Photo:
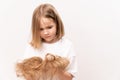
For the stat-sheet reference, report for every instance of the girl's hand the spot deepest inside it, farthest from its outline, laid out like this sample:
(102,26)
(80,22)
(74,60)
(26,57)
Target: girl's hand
(65,76)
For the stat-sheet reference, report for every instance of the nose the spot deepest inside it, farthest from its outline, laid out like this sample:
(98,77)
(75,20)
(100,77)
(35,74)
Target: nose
(46,32)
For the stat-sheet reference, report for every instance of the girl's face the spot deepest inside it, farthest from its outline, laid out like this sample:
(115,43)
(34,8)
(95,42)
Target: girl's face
(48,30)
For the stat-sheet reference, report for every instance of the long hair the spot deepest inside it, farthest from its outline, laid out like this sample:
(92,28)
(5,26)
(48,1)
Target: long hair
(47,11)
(53,66)
(29,68)
(35,68)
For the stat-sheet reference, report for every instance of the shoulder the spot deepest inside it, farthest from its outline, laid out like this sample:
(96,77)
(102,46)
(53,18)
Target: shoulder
(66,44)
(29,46)
(66,41)
(68,47)
(29,51)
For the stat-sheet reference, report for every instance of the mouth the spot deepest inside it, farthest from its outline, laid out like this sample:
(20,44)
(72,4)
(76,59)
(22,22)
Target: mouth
(47,37)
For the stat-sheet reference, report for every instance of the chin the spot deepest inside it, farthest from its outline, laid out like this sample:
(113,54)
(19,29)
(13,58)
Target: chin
(49,40)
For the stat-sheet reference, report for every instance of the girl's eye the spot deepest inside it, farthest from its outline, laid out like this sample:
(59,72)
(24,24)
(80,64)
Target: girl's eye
(49,27)
(41,29)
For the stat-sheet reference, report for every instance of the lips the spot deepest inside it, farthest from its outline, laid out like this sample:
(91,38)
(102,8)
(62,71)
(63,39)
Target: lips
(47,36)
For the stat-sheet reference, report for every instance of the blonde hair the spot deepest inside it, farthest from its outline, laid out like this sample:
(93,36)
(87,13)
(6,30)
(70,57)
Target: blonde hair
(47,11)
(53,66)
(29,68)
(37,69)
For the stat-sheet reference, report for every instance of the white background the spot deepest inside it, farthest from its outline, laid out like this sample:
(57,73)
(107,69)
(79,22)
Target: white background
(92,25)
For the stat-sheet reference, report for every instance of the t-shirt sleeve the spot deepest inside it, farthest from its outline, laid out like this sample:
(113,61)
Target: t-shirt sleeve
(72,67)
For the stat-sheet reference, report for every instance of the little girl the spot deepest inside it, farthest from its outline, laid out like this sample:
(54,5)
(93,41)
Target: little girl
(48,37)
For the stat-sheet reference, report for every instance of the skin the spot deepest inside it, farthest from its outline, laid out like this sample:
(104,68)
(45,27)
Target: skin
(63,75)
(48,30)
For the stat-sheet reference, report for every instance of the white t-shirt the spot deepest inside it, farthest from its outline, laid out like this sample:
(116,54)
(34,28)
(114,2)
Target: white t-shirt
(63,48)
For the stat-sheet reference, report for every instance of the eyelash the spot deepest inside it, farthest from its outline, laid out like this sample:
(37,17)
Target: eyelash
(50,27)
(47,28)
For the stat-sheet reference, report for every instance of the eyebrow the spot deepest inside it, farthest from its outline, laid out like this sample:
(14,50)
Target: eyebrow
(47,26)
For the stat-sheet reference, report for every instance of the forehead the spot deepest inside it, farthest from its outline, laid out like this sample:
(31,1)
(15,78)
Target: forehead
(44,22)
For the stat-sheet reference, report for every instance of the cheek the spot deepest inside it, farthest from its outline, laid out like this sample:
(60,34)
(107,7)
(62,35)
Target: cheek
(54,31)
